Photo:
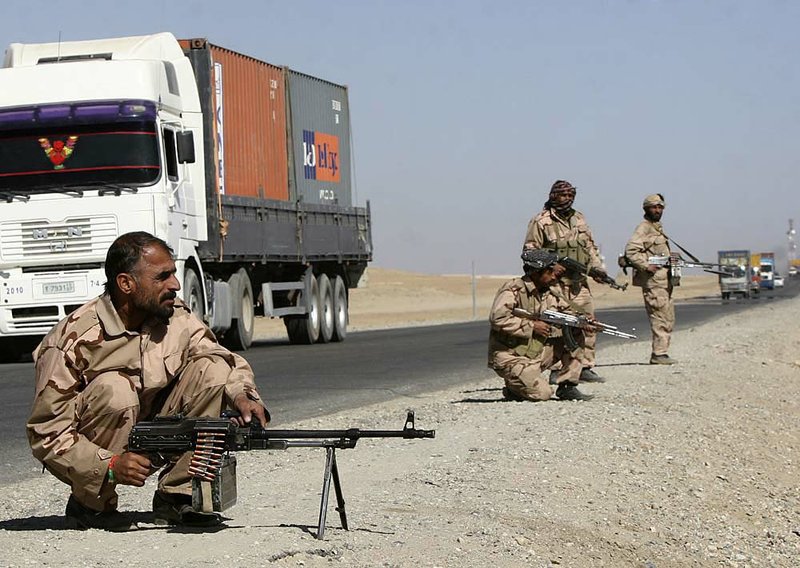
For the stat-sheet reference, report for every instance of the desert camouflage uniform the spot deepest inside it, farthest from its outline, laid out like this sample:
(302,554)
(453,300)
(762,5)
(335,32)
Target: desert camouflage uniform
(570,237)
(517,355)
(95,380)
(649,240)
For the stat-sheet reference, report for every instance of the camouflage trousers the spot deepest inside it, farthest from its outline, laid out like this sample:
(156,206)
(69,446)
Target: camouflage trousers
(661,311)
(523,375)
(108,408)
(580,296)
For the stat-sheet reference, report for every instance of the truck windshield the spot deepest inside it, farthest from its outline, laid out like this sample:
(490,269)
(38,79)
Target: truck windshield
(51,147)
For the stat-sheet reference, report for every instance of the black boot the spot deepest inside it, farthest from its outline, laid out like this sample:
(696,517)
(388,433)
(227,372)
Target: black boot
(82,517)
(176,509)
(589,376)
(569,391)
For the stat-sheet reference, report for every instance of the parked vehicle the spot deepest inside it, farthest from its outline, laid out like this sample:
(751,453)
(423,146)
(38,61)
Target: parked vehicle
(792,270)
(738,282)
(242,167)
(767,270)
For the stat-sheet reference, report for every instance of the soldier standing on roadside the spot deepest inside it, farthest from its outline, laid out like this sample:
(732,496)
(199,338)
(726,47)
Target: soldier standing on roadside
(649,240)
(560,228)
(520,348)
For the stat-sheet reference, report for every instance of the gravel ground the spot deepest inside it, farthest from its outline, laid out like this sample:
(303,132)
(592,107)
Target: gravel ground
(691,465)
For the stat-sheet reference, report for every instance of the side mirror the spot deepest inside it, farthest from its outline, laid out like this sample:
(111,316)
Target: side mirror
(185,147)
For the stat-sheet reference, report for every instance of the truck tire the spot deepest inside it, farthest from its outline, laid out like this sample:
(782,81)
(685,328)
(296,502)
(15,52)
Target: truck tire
(339,309)
(726,295)
(326,313)
(193,293)
(240,336)
(305,329)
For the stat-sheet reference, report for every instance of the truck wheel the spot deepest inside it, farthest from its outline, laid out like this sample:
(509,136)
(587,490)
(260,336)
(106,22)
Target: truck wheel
(326,323)
(240,336)
(726,295)
(305,329)
(339,309)
(193,293)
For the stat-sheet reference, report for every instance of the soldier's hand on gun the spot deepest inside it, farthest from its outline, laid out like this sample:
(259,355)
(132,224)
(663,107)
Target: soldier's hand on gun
(131,468)
(541,328)
(250,408)
(653,268)
(590,324)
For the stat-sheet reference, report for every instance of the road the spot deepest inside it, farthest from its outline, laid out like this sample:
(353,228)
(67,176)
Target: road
(307,381)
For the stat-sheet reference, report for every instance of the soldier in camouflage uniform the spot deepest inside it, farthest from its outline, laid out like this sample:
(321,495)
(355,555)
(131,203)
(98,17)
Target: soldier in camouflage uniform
(649,240)
(559,227)
(133,353)
(521,348)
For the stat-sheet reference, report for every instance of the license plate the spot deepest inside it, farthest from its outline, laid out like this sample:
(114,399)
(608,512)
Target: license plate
(51,288)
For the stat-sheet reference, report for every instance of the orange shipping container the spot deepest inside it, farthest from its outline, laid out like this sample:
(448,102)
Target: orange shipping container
(244,106)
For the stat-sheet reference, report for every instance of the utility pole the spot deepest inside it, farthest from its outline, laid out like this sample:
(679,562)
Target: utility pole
(792,247)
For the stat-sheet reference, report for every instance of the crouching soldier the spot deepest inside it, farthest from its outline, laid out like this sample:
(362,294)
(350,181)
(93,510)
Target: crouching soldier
(522,347)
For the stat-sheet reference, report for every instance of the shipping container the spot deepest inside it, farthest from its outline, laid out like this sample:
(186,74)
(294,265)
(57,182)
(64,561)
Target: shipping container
(247,100)
(319,115)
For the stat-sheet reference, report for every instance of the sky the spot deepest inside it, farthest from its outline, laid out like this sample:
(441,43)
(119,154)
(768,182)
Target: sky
(465,112)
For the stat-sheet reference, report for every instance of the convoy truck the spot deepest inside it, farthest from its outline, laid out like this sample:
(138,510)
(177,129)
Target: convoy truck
(242,167)
(738,282)
(767,270)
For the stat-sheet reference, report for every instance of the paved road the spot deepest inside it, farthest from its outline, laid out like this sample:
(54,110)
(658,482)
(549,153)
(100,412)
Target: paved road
(307,381)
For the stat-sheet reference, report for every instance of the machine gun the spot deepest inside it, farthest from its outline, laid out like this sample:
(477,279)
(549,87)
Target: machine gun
(213,466)
(675,262)
(567,321)
(574,266)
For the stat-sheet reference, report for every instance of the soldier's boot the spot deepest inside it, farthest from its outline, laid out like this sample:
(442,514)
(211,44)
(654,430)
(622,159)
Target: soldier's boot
(175,509)
(82,517)
(589,376)
(662,360)
(569,391)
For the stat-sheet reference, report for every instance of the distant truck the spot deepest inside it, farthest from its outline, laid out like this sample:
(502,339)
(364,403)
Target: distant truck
(739,282)
(242,167)
(767,270)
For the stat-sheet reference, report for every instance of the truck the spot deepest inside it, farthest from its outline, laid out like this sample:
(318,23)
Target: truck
(243,167)
(738,282)
(767,270)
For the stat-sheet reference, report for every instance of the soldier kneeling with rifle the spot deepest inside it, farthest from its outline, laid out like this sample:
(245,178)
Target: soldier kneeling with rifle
(521,346)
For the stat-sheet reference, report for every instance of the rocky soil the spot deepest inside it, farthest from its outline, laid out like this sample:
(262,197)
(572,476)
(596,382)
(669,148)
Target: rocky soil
(692,465)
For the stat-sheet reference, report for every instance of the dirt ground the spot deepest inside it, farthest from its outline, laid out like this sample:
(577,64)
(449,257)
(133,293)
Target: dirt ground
(691,465)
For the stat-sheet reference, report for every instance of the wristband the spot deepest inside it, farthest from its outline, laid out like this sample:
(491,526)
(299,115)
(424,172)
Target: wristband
(111,477)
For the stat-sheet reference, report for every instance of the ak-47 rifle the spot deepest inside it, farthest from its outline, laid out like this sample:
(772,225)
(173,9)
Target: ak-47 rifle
(213,466)
(574,266)
(568,321)
(675,261)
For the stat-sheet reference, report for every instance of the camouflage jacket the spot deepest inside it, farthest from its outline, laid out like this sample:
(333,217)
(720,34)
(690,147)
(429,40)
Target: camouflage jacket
(512,336)
(93,341)
(647,240)
(570,237)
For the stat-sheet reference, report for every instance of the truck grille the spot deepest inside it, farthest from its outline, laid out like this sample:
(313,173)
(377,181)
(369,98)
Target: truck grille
(48,241)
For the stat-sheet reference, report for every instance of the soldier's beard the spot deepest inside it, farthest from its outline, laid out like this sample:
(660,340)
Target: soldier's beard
(654,216)
(154,306)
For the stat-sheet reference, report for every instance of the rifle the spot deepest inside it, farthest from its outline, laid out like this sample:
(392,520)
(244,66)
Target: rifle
(213,466)
(569,320)
(573,265)
(674,262)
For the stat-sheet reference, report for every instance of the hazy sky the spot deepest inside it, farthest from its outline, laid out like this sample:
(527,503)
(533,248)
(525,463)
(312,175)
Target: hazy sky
(465,112)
